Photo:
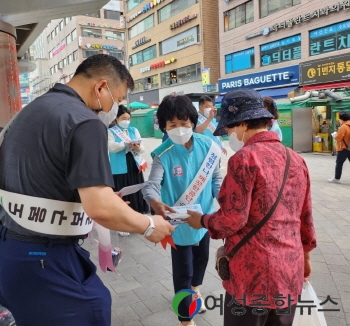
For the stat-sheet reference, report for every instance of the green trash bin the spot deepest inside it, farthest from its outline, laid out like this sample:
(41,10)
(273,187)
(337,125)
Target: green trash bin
(143,120)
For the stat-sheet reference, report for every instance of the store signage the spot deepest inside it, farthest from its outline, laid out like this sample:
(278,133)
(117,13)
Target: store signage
(183,21)
(100,46)
(141,41)
(186,40)
(205,76)
(58,48)
(315,14)
(265,31)
(91,24)
(209,88)
(325,70)
(157,65)
(270,78)
(147,7)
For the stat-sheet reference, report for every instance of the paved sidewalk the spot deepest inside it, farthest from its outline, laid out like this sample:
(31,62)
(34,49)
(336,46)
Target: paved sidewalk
(142,294)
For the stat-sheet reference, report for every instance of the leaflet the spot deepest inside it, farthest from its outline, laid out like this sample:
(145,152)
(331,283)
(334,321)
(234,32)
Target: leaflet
(181,213)
(131,189)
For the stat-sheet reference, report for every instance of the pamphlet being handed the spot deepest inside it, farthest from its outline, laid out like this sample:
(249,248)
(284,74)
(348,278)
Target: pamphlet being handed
(131,189)
(181,213)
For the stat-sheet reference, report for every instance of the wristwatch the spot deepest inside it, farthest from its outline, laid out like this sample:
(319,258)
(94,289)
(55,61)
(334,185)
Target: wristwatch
(150,229)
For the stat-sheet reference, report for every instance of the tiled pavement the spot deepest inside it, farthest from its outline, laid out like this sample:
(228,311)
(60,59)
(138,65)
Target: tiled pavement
(143,292)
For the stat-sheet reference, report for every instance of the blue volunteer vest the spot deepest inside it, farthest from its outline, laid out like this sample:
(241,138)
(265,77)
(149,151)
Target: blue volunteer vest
(118,160)
(180,167)
(208,133)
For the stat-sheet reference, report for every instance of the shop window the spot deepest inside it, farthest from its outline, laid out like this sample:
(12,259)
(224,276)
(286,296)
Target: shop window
(239,60)
(174,8)
(114,35)
(239,16)
(144,55)
(133,3)
(283,50)
(111,14)
(141,26)
(330,38)
(89,53)
(181,75)
(147,83)
(91,32)
(116,54)
(268,7)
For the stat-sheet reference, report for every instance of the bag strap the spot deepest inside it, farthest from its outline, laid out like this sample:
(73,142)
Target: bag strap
(257,227)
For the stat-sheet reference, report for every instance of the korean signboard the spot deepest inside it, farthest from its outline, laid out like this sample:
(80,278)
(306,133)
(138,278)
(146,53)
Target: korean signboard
(279,51)
(58,48)
(205,76)
(325,70)
(141,41)
(183,21)
(286,76)
(100,46)
(91,24)
(239,60)
(157,65)
(145,8)
(330,38)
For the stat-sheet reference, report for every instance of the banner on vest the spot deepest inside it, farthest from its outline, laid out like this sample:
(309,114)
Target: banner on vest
(202,119)
(202,177)
(140,161)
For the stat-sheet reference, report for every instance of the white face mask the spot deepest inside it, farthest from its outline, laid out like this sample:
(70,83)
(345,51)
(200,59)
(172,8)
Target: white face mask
(235,143)
(108,117)
(207,112)
(124,123)
(180,135)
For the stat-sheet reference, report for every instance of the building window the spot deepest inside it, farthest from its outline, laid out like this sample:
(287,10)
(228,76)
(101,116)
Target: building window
(174,8)
(48,38)
(118,55)
(50,54)
(74,34)
(239,16)
(89,53)
(61,25)
(113,35)
(75,55)
(68,39)
(51,71)
(111,14)
(144,55)
(55,68)
(52,34)
(66,20)
(70,59)
(239,60)
(268,7)
(180,41)
(133,3)
(283,50)
(57,29)
(95,14)
(145,84)
(141,26)
(90,32)
(64,62)
(182,75)
(330,38)
(60,65)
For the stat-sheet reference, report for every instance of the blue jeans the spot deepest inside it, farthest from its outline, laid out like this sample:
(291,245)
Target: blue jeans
(51,284)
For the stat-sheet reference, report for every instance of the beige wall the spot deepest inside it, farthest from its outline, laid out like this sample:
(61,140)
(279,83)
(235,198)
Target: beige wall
(190,55)
(234,40)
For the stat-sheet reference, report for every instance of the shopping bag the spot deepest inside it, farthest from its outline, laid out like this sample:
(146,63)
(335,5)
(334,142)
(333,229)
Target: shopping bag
(316,318)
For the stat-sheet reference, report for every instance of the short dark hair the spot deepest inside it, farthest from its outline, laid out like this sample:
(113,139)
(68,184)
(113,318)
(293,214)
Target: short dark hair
(344,115)
(205,98)
(123,109)
(252,124)
(271,106)
(179,107)
(105,66)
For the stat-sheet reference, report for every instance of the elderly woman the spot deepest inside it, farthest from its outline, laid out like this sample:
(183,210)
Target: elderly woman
(267,272)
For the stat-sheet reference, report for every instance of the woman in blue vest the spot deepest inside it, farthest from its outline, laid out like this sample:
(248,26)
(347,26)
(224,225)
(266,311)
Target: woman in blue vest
(185,171)
(125,149)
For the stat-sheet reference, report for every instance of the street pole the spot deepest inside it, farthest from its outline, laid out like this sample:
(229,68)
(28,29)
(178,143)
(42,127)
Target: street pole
(126,38)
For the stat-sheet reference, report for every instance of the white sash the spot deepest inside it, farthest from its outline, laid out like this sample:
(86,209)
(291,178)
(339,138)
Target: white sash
(46,216)
(202,118)
(202,177)
(140,161)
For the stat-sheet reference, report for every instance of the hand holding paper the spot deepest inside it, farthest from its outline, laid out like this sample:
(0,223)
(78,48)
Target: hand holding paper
(130,190)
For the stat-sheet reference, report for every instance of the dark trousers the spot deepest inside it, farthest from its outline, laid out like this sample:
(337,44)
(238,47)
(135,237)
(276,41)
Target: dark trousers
(341,158)
(189,265)
(270,319)
(54,284)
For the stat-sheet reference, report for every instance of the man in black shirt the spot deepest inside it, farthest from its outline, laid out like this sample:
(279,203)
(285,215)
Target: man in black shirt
(56,149)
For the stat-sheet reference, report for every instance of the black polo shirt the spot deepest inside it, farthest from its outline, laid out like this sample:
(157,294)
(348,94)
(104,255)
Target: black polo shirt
(55,146)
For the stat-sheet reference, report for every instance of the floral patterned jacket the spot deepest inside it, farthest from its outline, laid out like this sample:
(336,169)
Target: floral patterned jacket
(271,264)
